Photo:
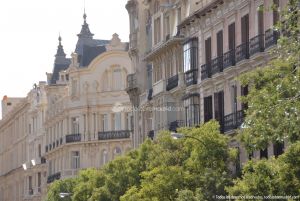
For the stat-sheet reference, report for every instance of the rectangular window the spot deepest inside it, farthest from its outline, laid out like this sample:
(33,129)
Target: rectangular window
(117,121)
(260,19)
(117,77)
(208,50)
(264,153)
(220,44)
(75,160)
(192,112)
(190,55)
(231,36)
(30,189)
(104,118)
(75,125)
(245,28)
(234,98)
(219,108)
(157,30)
(244,92)
(275,12)
(74,87)
(39,181)
(208,115)
(149,76)
(40,150)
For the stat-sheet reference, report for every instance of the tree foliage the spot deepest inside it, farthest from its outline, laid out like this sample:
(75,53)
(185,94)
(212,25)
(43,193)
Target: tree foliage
(274,97)
(163,169)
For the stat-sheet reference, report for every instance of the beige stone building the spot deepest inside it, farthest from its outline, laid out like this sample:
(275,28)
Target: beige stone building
(187,55)
(80,118)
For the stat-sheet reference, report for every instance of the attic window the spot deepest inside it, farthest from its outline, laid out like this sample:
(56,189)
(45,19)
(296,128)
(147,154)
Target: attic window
(8,104)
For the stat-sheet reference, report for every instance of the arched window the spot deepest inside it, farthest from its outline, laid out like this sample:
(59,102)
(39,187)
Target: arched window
(117,78)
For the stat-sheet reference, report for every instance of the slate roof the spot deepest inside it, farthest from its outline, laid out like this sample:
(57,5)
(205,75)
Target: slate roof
(57,68)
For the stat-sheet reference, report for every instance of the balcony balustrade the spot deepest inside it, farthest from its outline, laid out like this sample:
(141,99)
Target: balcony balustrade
(172,82)
(217,65)
(112,135)
(242,52)
(151,134)
(191,77)
(73,138)
(131,81)
(53,177)
(229,59)
(271,37)
(205,71)
(233,120)
(257,44)
(176,124)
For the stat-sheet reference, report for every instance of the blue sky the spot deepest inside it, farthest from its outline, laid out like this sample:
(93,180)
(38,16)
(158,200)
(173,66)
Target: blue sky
(29,35)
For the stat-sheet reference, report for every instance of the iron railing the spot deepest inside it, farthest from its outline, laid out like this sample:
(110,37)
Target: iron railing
(191,77)
(233,120)
(242,52)
(257,44)
(217,65)
(53,177)
(172,82)
(111,135)
(205,71)
(73,138)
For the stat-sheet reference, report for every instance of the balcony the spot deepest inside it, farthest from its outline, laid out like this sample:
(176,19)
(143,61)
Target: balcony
(158,87)
(73,138)
(271,37)
(233,120)
(53,177)
(242,52)
(151,134)
(229,59)
(217,65)
(205,71)
(172,82)
(131,81)
(257,44)
(191,77)
(113,135)
(176,124)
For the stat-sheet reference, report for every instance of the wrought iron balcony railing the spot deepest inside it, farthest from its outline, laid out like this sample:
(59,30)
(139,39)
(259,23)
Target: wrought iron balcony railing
(176,124)
(53,177)
(191,77)
(217,65)
(172,82)
(242,52)
(151,134)
(111,135)
(233,120)
(205,71)
(229,59)
(271,37)
(257,44)
(131,81)
(73,138)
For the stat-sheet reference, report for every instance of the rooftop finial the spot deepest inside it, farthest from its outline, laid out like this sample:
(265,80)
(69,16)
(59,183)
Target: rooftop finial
(84,14)
(59,38)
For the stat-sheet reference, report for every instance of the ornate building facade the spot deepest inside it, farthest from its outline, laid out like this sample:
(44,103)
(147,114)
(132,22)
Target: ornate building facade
(194,52)
(80,118)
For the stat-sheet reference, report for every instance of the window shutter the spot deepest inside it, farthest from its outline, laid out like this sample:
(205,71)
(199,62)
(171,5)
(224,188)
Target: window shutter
(220,43)
(231,36)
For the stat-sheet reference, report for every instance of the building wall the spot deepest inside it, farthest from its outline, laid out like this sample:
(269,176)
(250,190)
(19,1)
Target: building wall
(206,90)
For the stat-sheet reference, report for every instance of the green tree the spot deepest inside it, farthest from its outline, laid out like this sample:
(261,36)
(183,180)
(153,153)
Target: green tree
(274,97)
(60,186)
(276,177)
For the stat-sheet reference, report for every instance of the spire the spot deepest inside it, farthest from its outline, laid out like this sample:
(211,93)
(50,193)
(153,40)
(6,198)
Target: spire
(85,30)
(60,50)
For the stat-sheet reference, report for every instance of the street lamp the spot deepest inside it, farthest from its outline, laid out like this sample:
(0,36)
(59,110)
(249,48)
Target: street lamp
(63,195)
(176,136)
